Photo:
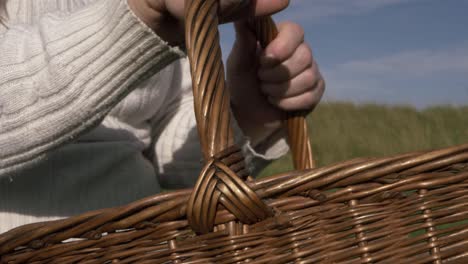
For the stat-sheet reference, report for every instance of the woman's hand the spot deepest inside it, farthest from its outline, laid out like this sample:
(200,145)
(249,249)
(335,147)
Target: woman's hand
(264,84)
(166,17)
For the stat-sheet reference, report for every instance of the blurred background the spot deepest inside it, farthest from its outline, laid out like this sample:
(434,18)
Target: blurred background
(396,72)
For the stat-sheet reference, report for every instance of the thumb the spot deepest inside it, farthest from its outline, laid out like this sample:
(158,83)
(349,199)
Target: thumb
(243,55)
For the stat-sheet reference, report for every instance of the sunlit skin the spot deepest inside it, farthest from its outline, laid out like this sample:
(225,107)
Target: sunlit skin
(264,84)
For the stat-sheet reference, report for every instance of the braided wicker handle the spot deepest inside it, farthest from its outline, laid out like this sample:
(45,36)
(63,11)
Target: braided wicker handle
(219,181)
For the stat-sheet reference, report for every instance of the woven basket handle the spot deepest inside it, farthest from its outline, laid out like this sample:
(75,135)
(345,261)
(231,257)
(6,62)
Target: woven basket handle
(221,181)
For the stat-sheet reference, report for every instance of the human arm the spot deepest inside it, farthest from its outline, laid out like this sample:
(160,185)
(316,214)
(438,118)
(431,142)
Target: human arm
(290,81)
(309,89)
(62,75)
(176,152)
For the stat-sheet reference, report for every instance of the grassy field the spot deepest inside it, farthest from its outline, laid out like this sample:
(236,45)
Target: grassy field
(341,131)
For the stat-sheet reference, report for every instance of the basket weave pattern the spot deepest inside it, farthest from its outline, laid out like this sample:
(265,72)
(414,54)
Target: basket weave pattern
(388,210)
(401,209)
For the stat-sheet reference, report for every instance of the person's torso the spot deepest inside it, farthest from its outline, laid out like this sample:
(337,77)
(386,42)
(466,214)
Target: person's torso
(105,167)
(109,165)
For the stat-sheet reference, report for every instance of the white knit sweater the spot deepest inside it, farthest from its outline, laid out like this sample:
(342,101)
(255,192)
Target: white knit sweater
(95,111)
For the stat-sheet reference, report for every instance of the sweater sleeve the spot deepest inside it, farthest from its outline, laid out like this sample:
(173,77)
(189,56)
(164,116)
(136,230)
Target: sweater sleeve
(60,76)
(177,154)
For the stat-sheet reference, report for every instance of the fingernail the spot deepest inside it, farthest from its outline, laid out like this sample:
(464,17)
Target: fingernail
(268,60)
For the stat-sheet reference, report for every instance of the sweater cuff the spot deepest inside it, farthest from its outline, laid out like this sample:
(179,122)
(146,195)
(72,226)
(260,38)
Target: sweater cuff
(261,154)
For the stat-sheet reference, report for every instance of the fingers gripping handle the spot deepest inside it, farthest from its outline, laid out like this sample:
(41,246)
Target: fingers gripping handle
(298,135)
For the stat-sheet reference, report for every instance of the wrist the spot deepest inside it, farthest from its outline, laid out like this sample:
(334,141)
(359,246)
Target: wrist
(255,125)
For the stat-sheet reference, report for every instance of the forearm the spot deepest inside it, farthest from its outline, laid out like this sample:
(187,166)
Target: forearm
(177,154)
(62,76)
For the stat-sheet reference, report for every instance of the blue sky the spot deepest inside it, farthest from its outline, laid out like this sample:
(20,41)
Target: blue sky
(386,51)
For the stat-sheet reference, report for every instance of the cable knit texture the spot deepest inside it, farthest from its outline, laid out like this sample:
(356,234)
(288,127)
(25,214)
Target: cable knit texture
(95,111)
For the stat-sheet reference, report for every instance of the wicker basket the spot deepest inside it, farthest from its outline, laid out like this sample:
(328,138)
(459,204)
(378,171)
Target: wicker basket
(411,208)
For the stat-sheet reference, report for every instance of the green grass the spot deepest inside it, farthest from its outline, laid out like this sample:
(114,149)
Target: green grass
(341,131)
